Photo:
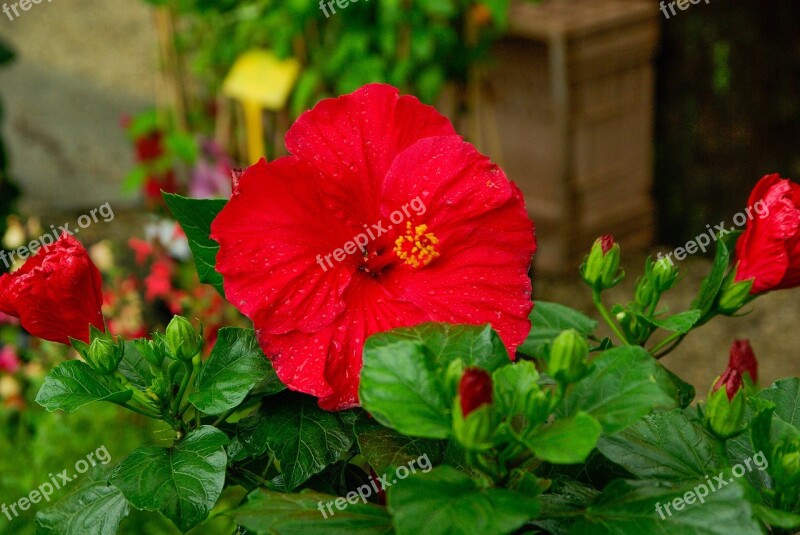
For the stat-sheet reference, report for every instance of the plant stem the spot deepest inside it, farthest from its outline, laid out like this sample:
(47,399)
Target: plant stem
(224,417)
(184,385)
(677,338)
(143,412)
(598,303)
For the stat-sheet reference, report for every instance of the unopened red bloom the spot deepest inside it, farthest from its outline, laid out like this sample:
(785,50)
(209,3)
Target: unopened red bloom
(56,294)
(382,217)
(769,249)
(475,390)
(742,360)
(606,242)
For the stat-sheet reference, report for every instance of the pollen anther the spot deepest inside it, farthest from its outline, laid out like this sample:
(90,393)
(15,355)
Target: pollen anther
(417,247)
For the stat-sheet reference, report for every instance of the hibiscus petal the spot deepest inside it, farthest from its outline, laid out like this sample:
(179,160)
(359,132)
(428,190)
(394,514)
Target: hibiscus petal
(761,250)
(270,234)
(353,140)
(327,364)
(486,240)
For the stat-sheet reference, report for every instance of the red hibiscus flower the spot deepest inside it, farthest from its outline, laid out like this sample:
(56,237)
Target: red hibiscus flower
(769,249)
(320,250)
(56,294)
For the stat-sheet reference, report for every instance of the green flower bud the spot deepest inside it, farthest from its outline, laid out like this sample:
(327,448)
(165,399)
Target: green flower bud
(601,270)
(568,357)
(104,355)
(645,293)
(733,295)
(663,275)
(150,351)
(724,415)
(182,340)
(786,463)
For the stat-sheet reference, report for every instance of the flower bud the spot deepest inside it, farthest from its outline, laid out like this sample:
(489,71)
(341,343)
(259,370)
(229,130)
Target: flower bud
(743,359)
(601,270)
(472,414)
(567,363)
(474,390)
(150,351)
(645,293)
(104,354)
(733,295)
(726,406)
(786,463)
(664,274)
(182,340)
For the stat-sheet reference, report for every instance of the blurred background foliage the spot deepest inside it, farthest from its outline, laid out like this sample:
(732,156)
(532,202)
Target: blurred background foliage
(727,109)
(8,191)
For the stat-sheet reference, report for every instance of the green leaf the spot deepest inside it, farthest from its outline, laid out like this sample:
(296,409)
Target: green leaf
(303,438)
(665,446)
(627,507)
(385,449)
(476,345)
(514,387)
(548,320)
(182,482)
(678,389)
(195,217)
(778,518)
(95,509)
(183,146)
(74,384)
(680,323)
(710,286)
(235,366)
(270,512)
(135,368)
(620,389)
(445,501)
(402,375)
(785,394)
(568,441)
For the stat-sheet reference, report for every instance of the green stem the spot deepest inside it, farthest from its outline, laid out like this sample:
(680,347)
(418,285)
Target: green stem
(598,303)
(677,338)
(224,416)
(143,412)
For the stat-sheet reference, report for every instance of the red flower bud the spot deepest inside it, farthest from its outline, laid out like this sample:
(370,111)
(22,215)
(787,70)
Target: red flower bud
(767,252)
(743,360)
(475,390)
(606,242)
(56,294)
(732,380)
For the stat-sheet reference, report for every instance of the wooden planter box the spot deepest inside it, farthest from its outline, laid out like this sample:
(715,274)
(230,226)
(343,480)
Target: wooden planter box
(566,108)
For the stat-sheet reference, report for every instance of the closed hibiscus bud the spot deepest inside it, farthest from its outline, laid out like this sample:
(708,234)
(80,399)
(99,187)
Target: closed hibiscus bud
(104,354)
(150,351)
(475,389)
(568,357)
(786,463)
(601,270)
(472,412)
(743,359)
(182,340)
(733,295)
(726,403)
(663,274)
(645,293)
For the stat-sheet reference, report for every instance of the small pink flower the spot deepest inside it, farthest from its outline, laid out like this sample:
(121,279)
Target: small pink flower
(9,362)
